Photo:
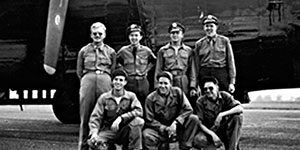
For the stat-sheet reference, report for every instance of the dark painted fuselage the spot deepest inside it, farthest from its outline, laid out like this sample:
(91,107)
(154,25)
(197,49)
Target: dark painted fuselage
(266,49)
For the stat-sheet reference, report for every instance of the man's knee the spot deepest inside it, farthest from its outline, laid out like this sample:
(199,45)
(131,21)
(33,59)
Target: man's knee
(191,121)
(147,134)
(137,121)
(200,141)
(237,120)
(193,118)
(149,137)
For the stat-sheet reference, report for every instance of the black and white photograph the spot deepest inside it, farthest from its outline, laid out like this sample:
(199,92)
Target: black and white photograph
(150,75)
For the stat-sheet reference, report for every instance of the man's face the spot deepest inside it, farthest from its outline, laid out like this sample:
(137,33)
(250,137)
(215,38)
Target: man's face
(176,36)
(98,35)
(210,90)
(210,29)
(164,85)
(135,37)
(119,82)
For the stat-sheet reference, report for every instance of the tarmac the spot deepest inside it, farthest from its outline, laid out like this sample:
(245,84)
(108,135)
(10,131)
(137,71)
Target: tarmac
(267,125)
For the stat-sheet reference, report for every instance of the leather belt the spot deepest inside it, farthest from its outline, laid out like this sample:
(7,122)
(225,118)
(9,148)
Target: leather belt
(137,77)
(99,72)
(177,72)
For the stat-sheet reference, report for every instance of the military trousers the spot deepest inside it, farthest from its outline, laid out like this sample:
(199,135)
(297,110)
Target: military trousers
(92,85)
(139,86)
(221,74)
(229,132)
(129,135)
(153,139)
(182,82)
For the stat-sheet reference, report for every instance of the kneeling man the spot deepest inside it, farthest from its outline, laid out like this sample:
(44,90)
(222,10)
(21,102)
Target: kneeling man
(168,116)
(220,118)
(117,117)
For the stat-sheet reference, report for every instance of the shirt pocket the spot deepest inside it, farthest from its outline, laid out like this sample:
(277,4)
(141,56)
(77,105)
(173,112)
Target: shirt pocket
(110,109)
(220,50)
(89,60)
(142,59)
(184,55)
(104,60)
(124,106)
(159,107)
(169,56)
(172,109)
(128,60)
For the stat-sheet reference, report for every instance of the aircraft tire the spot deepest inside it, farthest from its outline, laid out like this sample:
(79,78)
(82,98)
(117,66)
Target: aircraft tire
(66,107)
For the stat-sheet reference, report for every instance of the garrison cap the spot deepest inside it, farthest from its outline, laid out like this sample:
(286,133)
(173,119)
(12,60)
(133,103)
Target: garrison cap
(165,74)
(175,26)
(118,72)
(98,25)
(210,19)
(134,28)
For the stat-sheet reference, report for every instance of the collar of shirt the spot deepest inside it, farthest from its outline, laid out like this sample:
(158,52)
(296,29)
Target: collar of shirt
(139,46)
(125,95)
(169,95)
(214,38)
(98,46)
(218,99)
(165,95)
(169,46)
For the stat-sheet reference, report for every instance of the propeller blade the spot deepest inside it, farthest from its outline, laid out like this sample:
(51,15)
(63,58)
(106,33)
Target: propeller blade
(55,27)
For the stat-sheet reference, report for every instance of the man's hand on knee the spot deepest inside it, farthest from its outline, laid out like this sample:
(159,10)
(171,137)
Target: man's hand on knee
(221,147)
(217,142)
(171,130)
(116,123)
(96,143)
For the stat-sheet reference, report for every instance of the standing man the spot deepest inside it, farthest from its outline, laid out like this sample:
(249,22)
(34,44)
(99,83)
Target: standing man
(116,118)
(220,118)
(168,116)
(214,56)
(136,60)
(95,62)
(177,58)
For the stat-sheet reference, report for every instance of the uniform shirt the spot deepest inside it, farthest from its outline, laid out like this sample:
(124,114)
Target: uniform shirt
(215,53)
(161,111)
(136,60)
(92,57)
(107,110)
(208,110)
(168,60)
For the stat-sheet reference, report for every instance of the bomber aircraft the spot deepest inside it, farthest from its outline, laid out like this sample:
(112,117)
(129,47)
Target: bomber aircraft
(40,39)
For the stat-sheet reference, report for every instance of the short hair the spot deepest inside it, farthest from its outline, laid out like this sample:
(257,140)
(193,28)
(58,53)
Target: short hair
(165,74)
(97,25)
(210,79)
(119,72)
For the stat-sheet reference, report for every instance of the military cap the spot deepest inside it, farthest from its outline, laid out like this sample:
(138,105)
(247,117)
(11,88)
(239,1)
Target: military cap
(165,74)
(210,19)
(98,25)
(118,72)
(134,28)
(175,26)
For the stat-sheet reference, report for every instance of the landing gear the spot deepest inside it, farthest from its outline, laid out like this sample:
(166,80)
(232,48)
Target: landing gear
(66,106)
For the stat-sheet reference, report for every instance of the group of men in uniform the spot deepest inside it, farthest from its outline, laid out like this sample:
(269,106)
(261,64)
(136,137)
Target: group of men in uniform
(116,106)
